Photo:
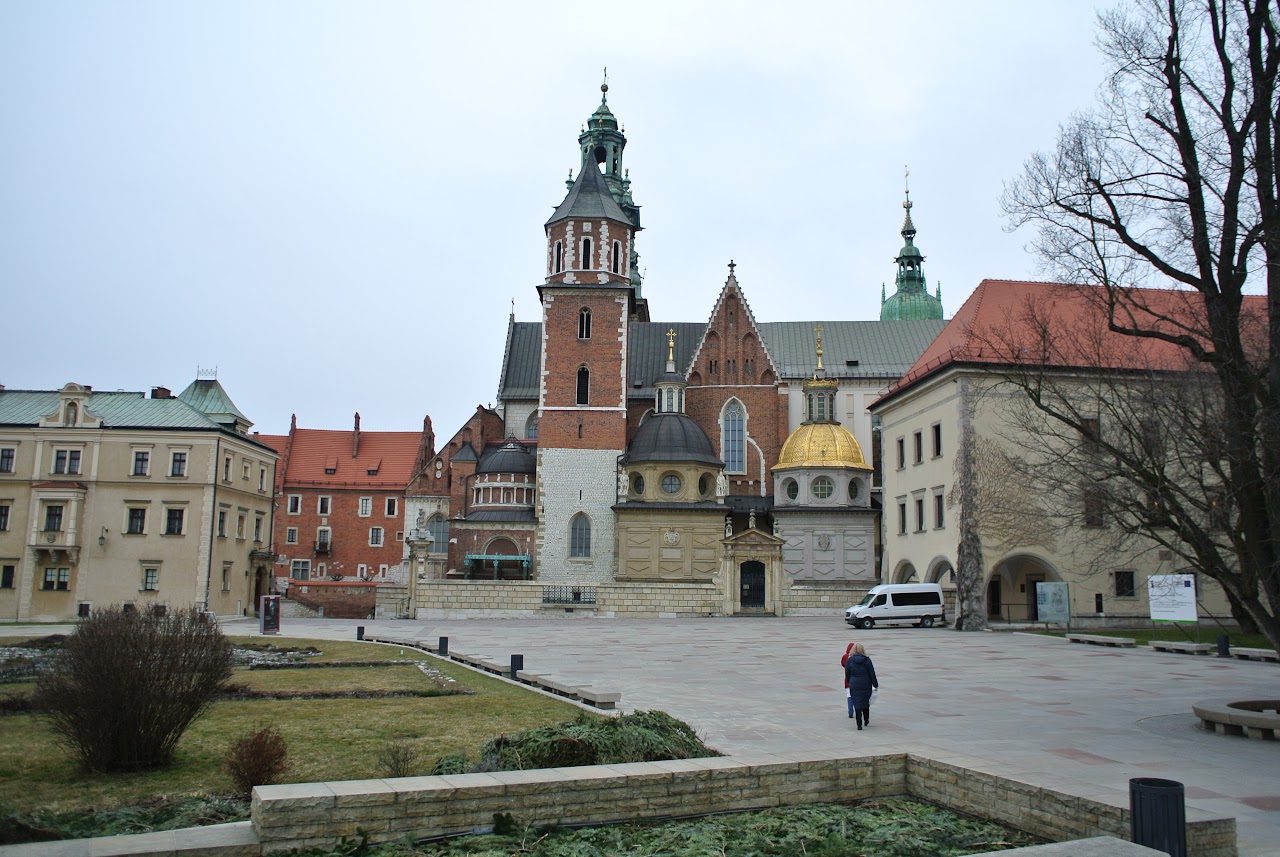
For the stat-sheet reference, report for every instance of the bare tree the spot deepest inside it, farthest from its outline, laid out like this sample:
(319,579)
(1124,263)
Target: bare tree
(1170,184)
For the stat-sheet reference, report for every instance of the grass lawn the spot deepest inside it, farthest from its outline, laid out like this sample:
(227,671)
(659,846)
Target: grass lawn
(328,739)
(1207,635)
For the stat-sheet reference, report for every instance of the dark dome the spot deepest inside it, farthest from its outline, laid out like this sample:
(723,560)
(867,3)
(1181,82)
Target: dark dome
(511,457)
(671,437)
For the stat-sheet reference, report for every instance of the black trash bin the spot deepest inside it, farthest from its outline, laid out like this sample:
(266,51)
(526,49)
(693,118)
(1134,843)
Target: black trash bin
(1158,815)
(359,632)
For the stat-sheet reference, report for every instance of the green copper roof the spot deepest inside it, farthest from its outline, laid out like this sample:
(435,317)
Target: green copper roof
(208,397)
(589,198)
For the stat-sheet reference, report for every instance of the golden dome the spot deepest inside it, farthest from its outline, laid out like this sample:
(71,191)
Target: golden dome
(822,445)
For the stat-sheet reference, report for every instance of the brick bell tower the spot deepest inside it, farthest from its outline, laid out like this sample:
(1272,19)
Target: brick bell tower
(589,298)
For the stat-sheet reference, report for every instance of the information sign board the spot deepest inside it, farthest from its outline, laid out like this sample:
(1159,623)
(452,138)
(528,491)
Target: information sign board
(1172,597)
(269,614)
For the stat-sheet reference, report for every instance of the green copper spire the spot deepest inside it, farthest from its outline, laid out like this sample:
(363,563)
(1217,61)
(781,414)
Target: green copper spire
(911,300)
(601,144)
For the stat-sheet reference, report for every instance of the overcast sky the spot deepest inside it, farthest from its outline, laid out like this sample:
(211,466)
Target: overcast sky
(335,204)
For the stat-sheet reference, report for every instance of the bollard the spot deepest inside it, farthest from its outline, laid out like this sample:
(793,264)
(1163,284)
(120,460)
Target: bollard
(1224,646)
(444,647)
(517,664)
(1158,815)
(359,632)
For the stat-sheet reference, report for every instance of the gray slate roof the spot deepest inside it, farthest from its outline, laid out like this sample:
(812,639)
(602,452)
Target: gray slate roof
(883,349)
(589,198)
(116,409)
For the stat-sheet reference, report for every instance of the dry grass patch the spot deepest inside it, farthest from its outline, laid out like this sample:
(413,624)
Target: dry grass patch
(328,739)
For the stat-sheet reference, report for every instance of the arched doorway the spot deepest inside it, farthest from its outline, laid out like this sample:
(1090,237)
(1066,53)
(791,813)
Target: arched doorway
(1011,590)
(752,594)
(905,573)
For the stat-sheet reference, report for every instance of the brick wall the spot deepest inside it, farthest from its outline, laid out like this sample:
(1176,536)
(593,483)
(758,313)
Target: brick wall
(338,600)
(320,815)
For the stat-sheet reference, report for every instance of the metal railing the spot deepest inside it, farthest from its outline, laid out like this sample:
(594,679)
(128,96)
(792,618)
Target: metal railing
(562,594)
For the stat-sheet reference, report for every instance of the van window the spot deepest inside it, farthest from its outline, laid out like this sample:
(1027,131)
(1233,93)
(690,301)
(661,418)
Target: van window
(915,599)
(879,602)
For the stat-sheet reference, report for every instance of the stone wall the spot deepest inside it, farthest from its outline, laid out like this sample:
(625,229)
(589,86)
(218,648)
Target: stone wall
(441,599)
(809,600)
(320,815)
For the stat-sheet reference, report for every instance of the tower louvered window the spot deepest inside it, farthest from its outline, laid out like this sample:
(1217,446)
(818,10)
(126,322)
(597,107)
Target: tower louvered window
(617,254)
(586,254)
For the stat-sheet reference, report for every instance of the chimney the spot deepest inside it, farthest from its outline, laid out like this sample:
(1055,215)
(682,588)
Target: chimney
(161,393)
(355,437)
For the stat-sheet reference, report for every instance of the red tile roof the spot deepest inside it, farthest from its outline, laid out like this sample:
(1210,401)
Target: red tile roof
(391,454)
(1010,322)
(275,441)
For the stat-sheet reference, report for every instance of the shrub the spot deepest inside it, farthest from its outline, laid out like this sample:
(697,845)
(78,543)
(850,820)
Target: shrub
(454,763)
(644,736)
(259,759)
(125,686)
(398,758)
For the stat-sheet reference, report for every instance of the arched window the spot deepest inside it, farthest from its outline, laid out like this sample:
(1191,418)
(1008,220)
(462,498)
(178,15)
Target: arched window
(559,258)
(586,254)
(584,323)
(439,529)
(584,386)
(733,443)
(580,535)
(671,400)
(617,255)
(531,427)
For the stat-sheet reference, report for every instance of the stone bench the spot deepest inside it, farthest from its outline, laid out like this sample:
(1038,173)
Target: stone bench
(1255,718)
(1255,654)
(1102,640)
(605,699)
(1182,647)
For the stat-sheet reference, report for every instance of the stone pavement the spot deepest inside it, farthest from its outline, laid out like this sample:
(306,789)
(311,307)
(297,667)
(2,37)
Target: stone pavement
(1041,706)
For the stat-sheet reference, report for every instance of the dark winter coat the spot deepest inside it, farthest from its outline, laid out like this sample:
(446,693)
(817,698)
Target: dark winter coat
(861,675)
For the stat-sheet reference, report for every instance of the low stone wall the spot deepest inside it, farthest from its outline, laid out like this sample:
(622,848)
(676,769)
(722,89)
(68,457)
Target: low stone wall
(808,600)
(659,600)
(320,815)
(336,599)
(444,599)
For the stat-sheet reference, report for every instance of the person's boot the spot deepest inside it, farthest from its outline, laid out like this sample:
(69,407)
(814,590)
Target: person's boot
(866,716)
(858,714)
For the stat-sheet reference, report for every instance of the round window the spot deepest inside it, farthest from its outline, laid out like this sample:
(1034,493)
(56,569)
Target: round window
(792,489)
(704,485)
(853,489)
(637,484)
(822,487)
(671,483)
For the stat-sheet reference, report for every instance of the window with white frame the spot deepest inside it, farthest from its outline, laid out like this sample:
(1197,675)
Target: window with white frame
(137,523)
(7,573)
(141,462)
(939,509)
(295,504)
(392,506)
(1126,586)
(324,538)
(257,528)
(226,577)
(438,526)
(323,505)
(8,458)
(56,579)
(366,507)
(173,520)
(178,464)
(300,569)
(902,516)
(375,537)
(918,446)
(53,518)
(733,443)
(937,440)
(291,536)
(262,479)
(222,523)
(919,514)
(150,578)
(226,469)
(247,469)
(66,461)
(4,517)
(383,569)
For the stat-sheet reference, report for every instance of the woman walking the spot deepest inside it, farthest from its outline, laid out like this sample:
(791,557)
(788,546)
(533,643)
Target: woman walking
(860,675)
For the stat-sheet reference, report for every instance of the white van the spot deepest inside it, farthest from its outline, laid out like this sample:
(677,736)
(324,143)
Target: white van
(899,604)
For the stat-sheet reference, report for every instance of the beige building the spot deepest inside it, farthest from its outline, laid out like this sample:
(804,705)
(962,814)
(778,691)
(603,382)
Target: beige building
(957,407)
(120,499)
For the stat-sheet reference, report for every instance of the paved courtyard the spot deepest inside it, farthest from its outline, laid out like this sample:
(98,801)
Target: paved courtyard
(1044,708)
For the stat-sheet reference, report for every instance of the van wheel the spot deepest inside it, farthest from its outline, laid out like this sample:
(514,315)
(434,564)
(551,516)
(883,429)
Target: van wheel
(867,623)
(926,621)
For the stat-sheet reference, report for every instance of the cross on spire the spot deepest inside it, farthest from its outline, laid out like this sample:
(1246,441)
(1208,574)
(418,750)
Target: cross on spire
(671,344)
(731,267)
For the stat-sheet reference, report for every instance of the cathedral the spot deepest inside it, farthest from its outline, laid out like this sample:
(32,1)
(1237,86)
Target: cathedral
(720,466)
